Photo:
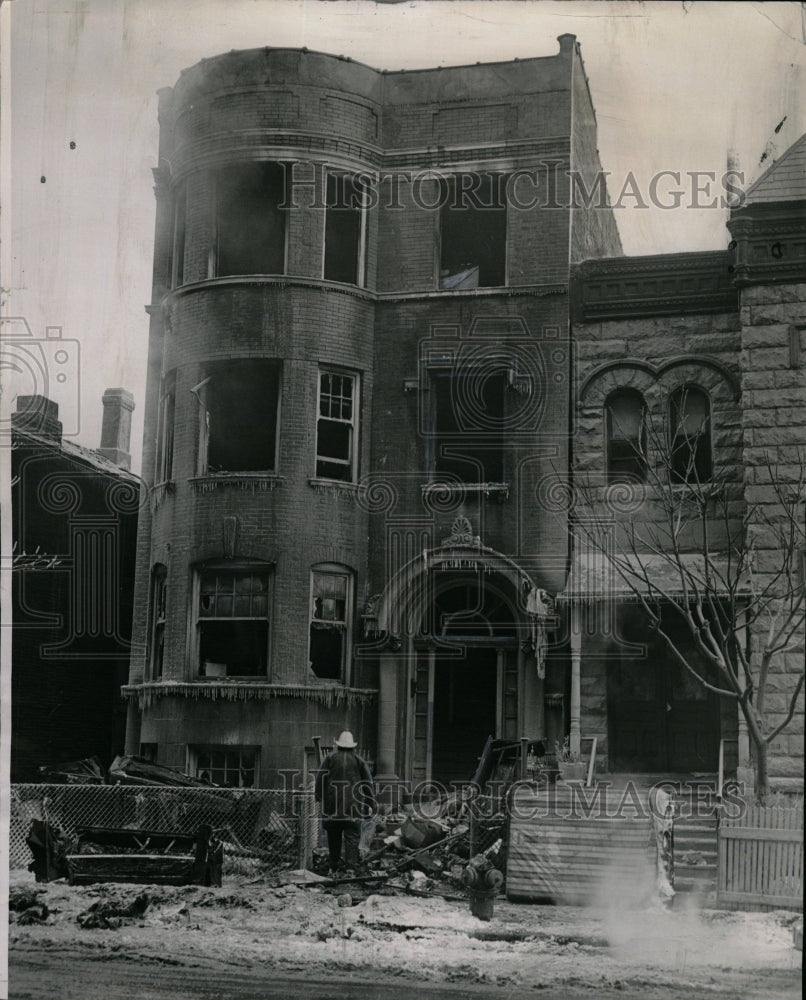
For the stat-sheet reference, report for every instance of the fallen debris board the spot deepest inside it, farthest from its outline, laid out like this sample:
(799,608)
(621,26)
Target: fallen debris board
(558,852)
(144,856)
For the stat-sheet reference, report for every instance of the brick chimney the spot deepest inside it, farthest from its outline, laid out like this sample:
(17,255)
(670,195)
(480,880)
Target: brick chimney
(117,426)
(38,415)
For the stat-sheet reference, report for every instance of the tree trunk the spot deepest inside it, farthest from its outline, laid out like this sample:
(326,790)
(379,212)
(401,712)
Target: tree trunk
(760,751)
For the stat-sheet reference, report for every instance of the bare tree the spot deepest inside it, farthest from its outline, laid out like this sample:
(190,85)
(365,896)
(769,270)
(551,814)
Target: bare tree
(736,570)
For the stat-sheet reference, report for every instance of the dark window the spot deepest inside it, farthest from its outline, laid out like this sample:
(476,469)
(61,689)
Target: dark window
(473,231)
(233,623)
(180,213)
(344,236)
(690,432)
(626,437)
(148,751)
(336,426)
(229,767)
(330,622)
(239,404)
(469,424)
(159,594)
(249,223)
(165,443)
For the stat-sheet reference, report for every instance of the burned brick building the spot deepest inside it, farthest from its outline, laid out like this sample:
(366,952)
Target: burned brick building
(359,380)
(364,413)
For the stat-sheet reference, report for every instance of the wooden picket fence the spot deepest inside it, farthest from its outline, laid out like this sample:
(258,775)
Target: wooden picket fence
(761,859)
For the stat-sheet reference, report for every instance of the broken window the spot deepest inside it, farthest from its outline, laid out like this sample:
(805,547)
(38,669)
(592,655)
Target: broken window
(180,214)
(238,421)
(626,436)
(336,426)
(473,231)
(690,432)
(159,594)
(229,767)
(165,440)
(233,622)
(249,223)
(469,419)
(330,621)
(148,751)
(345,234)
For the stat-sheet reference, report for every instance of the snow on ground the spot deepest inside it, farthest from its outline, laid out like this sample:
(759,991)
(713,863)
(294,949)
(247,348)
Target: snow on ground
(246,921)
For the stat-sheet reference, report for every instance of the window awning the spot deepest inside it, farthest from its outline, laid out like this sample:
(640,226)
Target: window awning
(594,577)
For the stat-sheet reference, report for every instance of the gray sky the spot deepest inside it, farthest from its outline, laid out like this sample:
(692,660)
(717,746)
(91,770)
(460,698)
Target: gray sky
(674,85)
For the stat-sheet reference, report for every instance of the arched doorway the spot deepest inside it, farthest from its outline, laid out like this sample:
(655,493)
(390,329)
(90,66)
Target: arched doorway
(467,672)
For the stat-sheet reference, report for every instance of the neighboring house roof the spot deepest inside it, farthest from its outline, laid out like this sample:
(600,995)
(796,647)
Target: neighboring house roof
(76,452)
(784,180)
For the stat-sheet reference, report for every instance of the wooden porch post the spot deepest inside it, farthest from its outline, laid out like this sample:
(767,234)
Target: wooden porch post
(576,662)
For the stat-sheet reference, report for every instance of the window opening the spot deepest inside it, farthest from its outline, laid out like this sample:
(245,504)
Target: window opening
(165,444)
(180,215)
(159,596)
(233,623)
(330,623)
(239,406)
(469,424)
(473,231)
(690,420)
(626,437)
(249,222)
(344,230)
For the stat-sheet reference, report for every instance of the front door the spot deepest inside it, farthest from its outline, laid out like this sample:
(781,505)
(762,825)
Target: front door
(464,713)
(660,717)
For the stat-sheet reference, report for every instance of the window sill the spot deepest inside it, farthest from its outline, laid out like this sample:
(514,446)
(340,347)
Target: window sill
(334,487)
(490,491)
(255,482)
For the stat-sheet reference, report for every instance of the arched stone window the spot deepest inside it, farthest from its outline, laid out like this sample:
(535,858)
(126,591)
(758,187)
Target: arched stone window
(625,411)
(691,460)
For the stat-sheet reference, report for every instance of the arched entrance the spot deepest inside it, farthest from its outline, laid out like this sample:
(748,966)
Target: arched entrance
(466,675)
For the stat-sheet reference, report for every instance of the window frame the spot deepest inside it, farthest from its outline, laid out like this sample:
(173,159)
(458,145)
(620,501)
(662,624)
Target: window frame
(639,449)
(158,602)
(348,575)
(195,750)
(164,460)
(354,424)
(361,254)
(264,569)
(677,478)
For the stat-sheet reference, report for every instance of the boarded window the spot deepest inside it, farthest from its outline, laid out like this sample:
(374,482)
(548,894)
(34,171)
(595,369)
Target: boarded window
(344,230)
(233,623)
(238,429)
(249,223)
(690,432)
(336,426)
(473,231)
(469,419)
(626,437)
(330,622)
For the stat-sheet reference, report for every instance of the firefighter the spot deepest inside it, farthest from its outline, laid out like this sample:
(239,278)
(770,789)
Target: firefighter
(346,791)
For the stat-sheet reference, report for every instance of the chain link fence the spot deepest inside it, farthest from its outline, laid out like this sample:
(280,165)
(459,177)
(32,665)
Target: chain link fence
(275,827)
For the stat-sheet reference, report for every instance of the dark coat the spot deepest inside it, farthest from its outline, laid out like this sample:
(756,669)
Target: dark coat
(344,786)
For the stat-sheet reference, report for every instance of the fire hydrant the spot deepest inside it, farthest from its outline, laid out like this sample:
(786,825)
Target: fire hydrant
(483,882)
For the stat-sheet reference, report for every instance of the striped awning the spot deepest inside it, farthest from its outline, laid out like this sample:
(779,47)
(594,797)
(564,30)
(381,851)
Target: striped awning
(596,576)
